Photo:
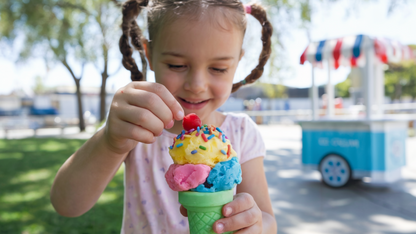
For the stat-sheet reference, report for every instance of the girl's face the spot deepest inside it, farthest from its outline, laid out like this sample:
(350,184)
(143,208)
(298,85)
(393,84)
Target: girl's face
(196,61)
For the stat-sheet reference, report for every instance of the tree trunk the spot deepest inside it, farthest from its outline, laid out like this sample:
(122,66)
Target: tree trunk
(80,111)
(104,76)
(77,81)
(103,95)
(397,91)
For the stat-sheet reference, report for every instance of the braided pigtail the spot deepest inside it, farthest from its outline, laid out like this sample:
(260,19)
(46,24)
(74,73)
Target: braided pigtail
(131,9)
(258,12)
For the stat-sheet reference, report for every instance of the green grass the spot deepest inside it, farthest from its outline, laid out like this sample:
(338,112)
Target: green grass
(27,169)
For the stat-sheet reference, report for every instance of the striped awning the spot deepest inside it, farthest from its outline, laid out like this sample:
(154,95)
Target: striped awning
(349,51)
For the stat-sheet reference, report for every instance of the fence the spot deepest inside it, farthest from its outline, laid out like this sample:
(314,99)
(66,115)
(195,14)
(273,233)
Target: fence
(398,110)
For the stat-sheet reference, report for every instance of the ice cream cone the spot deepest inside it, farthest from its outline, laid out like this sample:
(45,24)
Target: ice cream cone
(204,209)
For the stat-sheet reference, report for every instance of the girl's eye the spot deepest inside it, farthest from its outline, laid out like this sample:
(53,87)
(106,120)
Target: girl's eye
(176,67)
(219,70)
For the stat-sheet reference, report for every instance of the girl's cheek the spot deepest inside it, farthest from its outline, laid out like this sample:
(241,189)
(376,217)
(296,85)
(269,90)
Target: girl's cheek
(171,81)
(222,89)
(167,78)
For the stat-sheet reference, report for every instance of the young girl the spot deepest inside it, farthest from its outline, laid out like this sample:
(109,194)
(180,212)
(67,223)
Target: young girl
(194,48)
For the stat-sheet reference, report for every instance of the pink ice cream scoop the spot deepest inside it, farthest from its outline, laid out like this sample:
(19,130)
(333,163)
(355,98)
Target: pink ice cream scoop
(185,177)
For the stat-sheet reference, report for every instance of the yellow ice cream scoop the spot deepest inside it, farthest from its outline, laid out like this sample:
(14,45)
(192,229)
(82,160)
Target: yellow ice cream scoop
(204,145)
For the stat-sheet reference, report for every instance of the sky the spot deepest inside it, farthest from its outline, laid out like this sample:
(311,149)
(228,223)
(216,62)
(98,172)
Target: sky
(328,21)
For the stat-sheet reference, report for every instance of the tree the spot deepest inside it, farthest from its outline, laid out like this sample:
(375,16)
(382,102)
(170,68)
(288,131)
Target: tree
(75,32)
(39,85)
(107,17)
(343,89)
(273,90)
(285,15)
(51,29)
(96,21)
(400,80)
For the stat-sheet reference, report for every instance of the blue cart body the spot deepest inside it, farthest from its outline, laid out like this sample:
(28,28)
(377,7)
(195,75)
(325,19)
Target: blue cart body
(372,149)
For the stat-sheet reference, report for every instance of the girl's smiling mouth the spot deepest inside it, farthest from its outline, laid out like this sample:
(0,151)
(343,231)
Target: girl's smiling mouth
(194,104)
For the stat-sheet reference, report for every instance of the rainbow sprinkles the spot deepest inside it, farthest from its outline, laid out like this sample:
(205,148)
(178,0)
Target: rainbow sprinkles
(200,132)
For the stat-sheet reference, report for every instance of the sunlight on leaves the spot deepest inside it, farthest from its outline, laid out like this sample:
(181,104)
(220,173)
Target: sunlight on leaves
(22,197)
(27,169)
(120,170)
(12,216)
(49,207)
(32,175)
(53,146)
(30,147)
(107,197)
(33,229)
(14,155)
(112,184)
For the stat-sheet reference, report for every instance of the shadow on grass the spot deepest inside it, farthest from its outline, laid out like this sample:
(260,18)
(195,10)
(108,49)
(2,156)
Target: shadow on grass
(27,169)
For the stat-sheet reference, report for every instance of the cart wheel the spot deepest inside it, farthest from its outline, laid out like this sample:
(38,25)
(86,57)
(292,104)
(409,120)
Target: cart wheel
(335,171)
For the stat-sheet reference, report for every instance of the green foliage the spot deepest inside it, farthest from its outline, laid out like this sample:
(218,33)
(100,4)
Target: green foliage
(273,90)
(39,85)
(28,167)
(284,15)
(287,14)
(305,11)
(400,80)
(46,24)
(81,29)
(343,89)
(70,32)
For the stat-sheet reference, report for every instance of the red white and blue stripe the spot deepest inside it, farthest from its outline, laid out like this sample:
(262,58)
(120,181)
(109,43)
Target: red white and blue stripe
(349,51)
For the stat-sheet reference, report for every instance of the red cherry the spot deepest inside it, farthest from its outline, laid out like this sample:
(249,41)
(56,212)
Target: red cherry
(191,121)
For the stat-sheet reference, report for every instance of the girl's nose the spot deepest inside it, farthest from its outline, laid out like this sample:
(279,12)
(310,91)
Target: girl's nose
(196,81)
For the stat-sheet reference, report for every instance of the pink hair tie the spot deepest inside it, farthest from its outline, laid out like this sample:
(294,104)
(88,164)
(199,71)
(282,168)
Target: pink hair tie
(248,9)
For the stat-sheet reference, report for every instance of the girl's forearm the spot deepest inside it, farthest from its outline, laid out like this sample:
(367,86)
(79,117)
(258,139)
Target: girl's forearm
(269,223)
(84,176)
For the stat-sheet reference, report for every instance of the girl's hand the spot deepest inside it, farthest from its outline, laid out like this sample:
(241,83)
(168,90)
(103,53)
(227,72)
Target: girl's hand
(241,215)
(139,112)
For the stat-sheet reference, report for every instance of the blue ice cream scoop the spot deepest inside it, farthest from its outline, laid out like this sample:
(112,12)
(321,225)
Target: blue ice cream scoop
(224,176)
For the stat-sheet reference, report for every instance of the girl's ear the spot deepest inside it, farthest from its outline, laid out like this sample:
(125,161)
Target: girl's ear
(147,51)
(241,54)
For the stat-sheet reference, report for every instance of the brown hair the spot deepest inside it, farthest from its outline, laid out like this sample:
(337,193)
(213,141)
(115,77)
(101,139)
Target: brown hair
(161,11)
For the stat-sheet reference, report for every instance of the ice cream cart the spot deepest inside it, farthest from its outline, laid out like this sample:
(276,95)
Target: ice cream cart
(371,146)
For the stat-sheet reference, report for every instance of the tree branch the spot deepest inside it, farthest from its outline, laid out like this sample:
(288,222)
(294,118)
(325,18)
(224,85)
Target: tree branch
(71,6)
(119,4)
(65,63)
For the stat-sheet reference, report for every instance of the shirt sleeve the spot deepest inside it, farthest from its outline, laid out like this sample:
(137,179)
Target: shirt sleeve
(252,144)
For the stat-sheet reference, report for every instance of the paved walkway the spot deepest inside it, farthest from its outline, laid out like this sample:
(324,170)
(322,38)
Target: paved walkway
(303,205)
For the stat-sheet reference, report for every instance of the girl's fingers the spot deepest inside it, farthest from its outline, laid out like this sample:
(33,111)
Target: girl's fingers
(183,211)
(237,222)
(164,94)
(250,230)
(141,117)
(241,202)
(153,103)
(134,132)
